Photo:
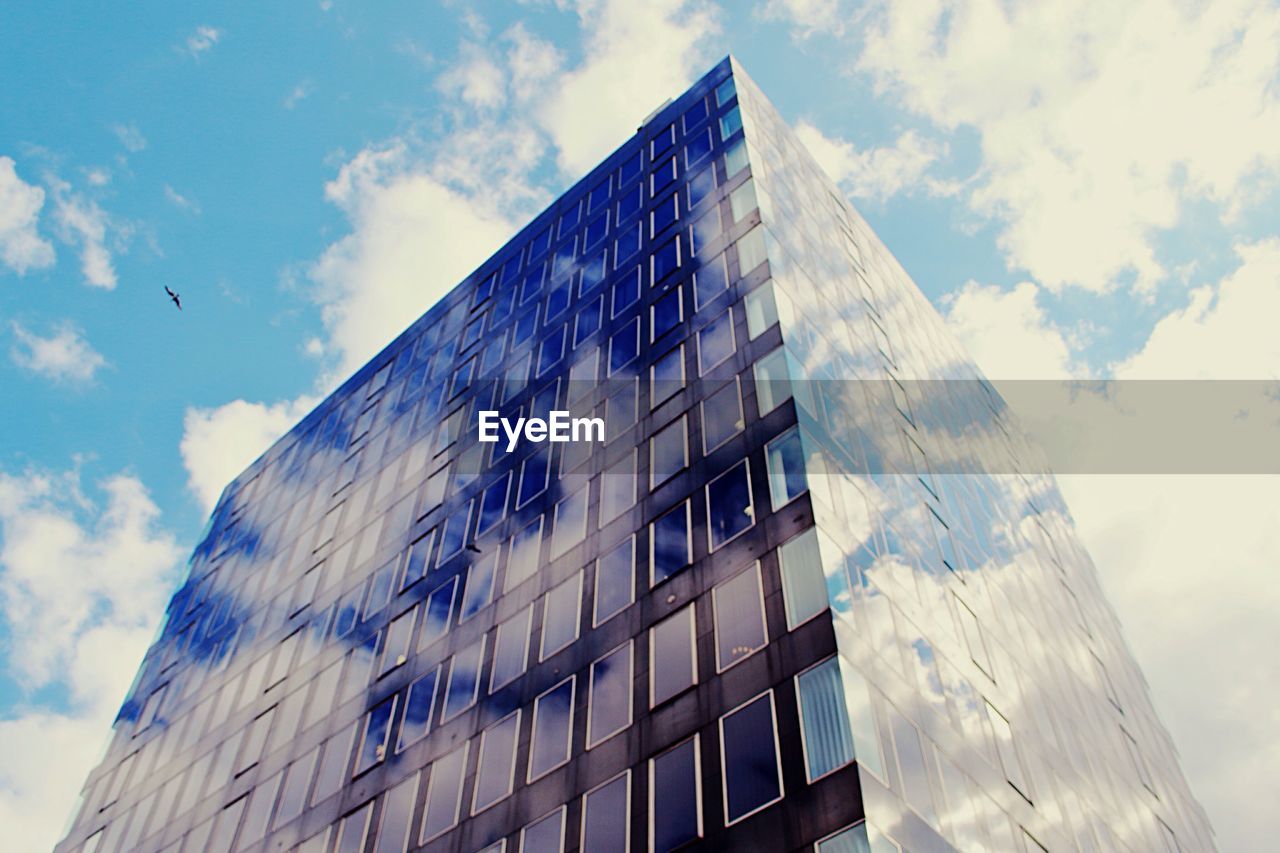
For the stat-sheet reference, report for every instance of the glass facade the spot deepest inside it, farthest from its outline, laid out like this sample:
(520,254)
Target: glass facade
(769,610)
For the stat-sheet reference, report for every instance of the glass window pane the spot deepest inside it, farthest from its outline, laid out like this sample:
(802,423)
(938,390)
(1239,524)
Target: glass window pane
(545,835)
(617,488)
(804,586)
(915,775)
(721,416)
(494,772)
(377,728)
(615,580)
(399,640)
(675,797)
(417,709)
(787,479)
(773,380)
(715,342)
(397,812)
(464,677)
(533,478)
(444,793)
(333,764)
(762,310)
(606,816)
(439,610)
(293,796)
(669,543)
(479,585)
(570,522)
(673,662)
(749,753)
(667,313)
(493,504)
(729,507)
(560,616)
(824,719)
(511,649)
(620,410)
(624,346)
(711,280)
(668,452)
(739,617)
(552,727)
(609,702)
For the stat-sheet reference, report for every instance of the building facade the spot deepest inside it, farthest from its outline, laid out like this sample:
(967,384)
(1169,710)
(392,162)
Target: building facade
(811,590)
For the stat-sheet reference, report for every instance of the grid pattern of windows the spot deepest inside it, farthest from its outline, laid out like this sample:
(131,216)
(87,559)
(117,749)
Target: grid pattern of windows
(385,605)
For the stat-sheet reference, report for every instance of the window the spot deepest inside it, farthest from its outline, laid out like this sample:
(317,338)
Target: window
(675,797)
(749,759)
(630,201)
(631,169)
(380,589)
(715,342)
(739,617)
(224,827)
(333,765)
(594,270)
(673,658)
(911,762)
(787,480)
(862,837)
(596,231)
(552,729)
(662,176)
(540,243)
(730,123)
(563,263)
(293,794)
(666,314)
(663,214)
(773,381)
(439,609)
(804,585)
(479,585)
(824,719)
(417,557)
(669,545)
(569,219)
(721,416)
(560,616)
(700,186)
(397,813)
(762,310)
(617,488)
(626,292)
(588,322)
(606,815)
(418,705)
(624,346)
(600,195)
(668,452)
(973,637)
(495,768)
(399,638)
(524,328)
(725,92)
(609,700)
(533,478)
(695,114)
(627,244)
(545,835)
(751,251)
(444,793)
(493,503)
(665,260)
(615,580)
(620,410)
(663,140)
(522,559)
(373,742)
(455,532)
(464,677)
(570,522)
(742,201)
(729,508)
(533,280)
(698,147)
(511,649)
(551,350)
(255,742)
(667,377)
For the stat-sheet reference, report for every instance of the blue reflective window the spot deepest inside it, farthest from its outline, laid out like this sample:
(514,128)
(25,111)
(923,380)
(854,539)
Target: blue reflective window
(418,705)
(624,346)
(510,269)
(630,202)
(439,610)
(596,231)
(588,320)
(627,244)
(667,313)
(533,478)
(558,300)
(570,218)
(455,532)
(532,283)
(669,543)
(631,168)
(663,141)
(729,508)
(524,328)
(593,272)
(493,504)
(417,557)
(662,176)
(491,355)
(377,729)
(626,292)
(551,351)
(730,123)
(471,333)
(698,147)
(600,195)
(502,305)
(565,258)
(666,259)
(485,289)
(696,114)
(701,186)
(539,244)
(664,213)
(710,281)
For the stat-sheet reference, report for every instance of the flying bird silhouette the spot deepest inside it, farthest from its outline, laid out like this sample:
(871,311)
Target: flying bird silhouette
(174,297)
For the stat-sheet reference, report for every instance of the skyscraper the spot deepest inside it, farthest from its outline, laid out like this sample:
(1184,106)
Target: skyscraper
(810,589)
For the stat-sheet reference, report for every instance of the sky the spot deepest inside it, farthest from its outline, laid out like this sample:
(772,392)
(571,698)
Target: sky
(1082,190)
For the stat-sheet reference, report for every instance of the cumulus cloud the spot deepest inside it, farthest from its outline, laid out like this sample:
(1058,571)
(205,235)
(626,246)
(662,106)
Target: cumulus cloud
(875,173)
(180,201)
(63,356)
(82,223)
(475,78)
(635,56)
(202,40)
(1007,332)
(218,443)
(21,246)
(1118,117)
(806,17)
(83,581)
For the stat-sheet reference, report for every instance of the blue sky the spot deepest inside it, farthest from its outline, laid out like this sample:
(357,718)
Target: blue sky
(1084,190)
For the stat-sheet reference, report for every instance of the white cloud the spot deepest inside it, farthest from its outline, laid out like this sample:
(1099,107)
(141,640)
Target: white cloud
(531,60)
(80,221)
(97,177)
(1227,331)
(219,443)
(202,40)
(1007,332)
(475,78)
(82,588)
(64,356)
(807,17)
(130,137)
(21,247)
(636,55)
(296,95)
(875,173)
(1099,124)
(178,200)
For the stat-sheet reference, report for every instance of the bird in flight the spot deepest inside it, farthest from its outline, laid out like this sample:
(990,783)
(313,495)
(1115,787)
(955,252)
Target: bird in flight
(174,297)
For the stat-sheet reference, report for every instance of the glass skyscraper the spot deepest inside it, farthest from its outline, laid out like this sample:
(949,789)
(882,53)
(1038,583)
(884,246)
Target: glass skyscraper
(811,590)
